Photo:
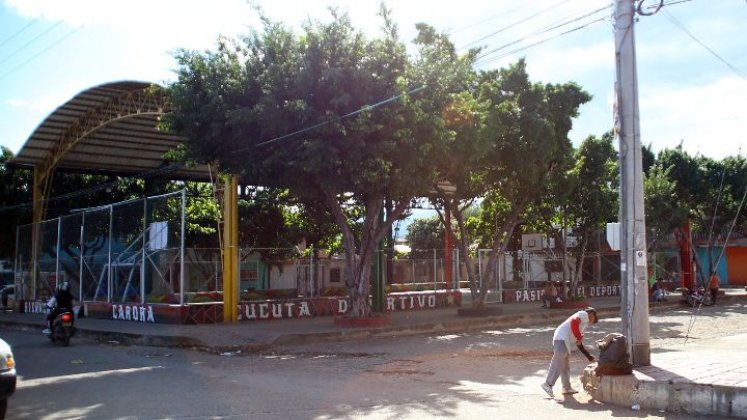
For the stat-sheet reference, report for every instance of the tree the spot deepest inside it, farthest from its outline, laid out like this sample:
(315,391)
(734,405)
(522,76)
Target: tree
(330,114)
(424,235)
(593,199)
(711,193)
(15,199)
(665,212)
(518,142)
(69,191)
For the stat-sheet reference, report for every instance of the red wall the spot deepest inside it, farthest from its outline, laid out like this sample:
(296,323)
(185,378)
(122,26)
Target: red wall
(736,259)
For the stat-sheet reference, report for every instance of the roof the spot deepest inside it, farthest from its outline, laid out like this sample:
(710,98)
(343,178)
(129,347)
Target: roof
(107,129)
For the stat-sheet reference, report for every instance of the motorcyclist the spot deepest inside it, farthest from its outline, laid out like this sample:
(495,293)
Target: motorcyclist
(61,302)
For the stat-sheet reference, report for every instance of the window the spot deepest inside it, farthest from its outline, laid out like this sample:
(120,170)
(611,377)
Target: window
(249,275)
(334,275)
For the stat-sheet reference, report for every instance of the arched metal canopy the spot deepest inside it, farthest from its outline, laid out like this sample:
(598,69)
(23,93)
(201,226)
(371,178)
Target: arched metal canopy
(112,129)
(107,129)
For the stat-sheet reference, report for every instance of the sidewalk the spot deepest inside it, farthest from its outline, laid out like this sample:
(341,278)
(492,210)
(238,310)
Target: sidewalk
(701,378)
(258,335)
(676,381)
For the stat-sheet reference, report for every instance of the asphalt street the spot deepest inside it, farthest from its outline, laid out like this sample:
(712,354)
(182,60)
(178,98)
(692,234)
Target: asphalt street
(471,375)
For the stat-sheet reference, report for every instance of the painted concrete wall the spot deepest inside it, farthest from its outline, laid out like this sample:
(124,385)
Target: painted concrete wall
(722,269)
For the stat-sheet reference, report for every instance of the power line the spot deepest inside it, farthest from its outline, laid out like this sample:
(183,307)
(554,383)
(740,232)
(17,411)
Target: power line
(546,30)
(519,22)
(174,167)
(8,39)
(34,39)
(323,123)
(682,27)
(397,97)
(472,25)
(653,9)
(35,56)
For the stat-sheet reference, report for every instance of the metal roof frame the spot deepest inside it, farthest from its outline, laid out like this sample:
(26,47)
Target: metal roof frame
(110,129)
(107,129)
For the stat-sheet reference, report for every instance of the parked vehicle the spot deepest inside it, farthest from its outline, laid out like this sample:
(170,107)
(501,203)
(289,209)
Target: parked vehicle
(697,296)
(63,328)
(7,376)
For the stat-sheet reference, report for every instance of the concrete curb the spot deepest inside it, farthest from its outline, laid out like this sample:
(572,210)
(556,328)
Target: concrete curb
(118,336)
(459,324)
(639,391)
(672,396)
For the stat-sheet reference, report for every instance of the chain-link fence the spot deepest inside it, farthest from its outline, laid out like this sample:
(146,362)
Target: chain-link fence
(137,252)
(131,251)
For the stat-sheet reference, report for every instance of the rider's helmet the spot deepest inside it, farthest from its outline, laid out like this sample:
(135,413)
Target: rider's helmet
(65,286)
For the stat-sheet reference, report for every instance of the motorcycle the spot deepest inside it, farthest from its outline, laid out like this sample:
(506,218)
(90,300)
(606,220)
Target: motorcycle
(697,296)
(63,328)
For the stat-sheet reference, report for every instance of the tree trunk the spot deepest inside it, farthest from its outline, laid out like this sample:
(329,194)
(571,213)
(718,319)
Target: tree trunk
(358,261)
(579,267)
(500,244)
(360,306)
(463,244)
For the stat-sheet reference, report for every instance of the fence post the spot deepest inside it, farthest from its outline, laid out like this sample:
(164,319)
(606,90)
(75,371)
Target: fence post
(142,252)
(479,267)
(181,248)
(435,268)
(109,256)
(80,256)
(499,281)
(19,287)
(57,257)
(457,271)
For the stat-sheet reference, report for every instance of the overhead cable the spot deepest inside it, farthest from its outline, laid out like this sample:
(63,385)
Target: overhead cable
(34,39)
(519,22)
(174,167)
(472,25)
(534,44)
(35,56)
(682,27)
(350,114)
(546,30)
(20,31)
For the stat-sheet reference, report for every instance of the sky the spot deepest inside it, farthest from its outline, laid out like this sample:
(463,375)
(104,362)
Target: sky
(691,55)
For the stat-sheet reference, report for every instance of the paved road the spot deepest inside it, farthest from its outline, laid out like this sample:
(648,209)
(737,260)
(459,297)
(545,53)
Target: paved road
(483,374)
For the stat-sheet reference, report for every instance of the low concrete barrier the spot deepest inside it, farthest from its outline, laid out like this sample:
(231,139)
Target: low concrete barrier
(639,391)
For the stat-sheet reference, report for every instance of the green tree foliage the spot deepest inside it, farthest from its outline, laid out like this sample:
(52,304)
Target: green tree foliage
(424,235)
(665,213)
(328,114)
(518,142)
(710,194)
(593,197)
(15,199)
(648,158)
(69,192)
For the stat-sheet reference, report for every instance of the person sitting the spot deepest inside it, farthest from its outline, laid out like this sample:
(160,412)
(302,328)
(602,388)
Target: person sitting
(550,295)
(658,291)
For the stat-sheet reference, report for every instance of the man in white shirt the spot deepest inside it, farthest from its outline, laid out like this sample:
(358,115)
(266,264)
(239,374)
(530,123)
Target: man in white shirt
(570,331)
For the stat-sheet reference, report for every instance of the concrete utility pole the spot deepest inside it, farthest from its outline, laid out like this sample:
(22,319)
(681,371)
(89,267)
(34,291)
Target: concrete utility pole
(633,267)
